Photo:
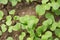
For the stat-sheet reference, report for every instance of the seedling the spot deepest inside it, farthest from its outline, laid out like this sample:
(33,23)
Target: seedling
(0,32)
(12,12)
(47,35)
(21,37)
(1,14)
(9,38)
(4,1)
(8,20)
(57,32)
(16,27)
(3,27)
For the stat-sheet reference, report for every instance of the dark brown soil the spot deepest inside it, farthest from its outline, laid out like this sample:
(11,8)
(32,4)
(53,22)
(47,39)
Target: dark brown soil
(21,10)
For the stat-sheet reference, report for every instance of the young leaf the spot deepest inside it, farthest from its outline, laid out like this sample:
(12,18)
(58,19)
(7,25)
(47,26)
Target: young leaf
(9,38)
(49,16)
(8,20)
(55,5)
(8,23)
(21,37)
(16,17)
(47,22)
(19,0)
(12,12)
(47,35)
(54,26)
(56,39)
(29,38)
(16,27)
(40,9)
(44,1)
(39,31)
(3,27)
(57,12)
(0,32)
(13,2)
(57,32)
(1,14)
(4,1)
(10,29)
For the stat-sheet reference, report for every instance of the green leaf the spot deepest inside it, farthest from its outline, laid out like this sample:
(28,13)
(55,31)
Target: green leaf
(27,1)
(12,12)
(10,29)
(9,38)
(37,38)
(8,20)
(55,5)
(16,17)
(44,1)
(46,36)
(19,0)
(3,27)
(54,26)
(56,39)
(21,37)
(47,22)
(1,14)
(39,31)
(29,38)
(4,1)
(0,32)
(40,9)
(8,23)
(57,32)
(57,12)
(16,27)
(47,6)
(13,2)
(49,16)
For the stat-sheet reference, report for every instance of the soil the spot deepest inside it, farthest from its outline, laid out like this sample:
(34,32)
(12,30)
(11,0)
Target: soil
(21,9)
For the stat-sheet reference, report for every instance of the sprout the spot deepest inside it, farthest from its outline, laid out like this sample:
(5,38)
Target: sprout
(29,38)
(54,26)
(46,36)
(44,1)
(55,5)
(40,10)
(49,16)
(0,32)
(8,20)
(12,12)
(39,31)
(13,2)
(3,27)
(4,1)
(10,29)
(9,38)
(1,14)
(16,17)
(21,37)
(56,39)
(16,27)
(57,32)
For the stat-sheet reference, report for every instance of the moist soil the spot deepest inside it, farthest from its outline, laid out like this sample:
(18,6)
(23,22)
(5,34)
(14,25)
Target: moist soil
(22,9)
